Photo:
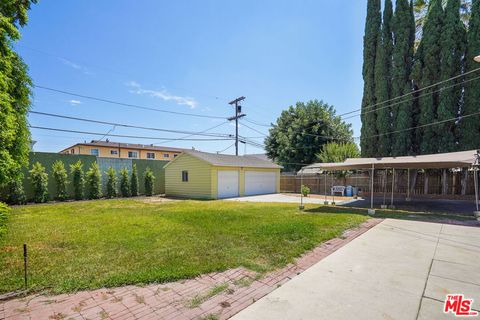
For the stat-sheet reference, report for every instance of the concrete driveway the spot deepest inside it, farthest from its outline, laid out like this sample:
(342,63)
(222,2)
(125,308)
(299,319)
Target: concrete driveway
(397,270)
(278,197)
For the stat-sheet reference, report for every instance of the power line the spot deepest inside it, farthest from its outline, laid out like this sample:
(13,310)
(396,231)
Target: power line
(424,125)
(108,69)
(226,148)
(263,134)
(257,123)
(128,125)
(412,92)
(414,98)
(194,134)
(126,104)
(126,136)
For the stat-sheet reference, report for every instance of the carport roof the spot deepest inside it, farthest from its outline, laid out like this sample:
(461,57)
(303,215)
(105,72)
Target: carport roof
(226,160)
(462,159)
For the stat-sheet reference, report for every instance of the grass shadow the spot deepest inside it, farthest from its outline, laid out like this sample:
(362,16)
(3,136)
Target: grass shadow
(397,214)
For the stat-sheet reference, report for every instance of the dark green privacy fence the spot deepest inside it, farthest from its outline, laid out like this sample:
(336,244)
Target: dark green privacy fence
(47,159)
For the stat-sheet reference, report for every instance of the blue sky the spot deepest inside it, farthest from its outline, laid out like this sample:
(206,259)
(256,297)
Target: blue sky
(189,56)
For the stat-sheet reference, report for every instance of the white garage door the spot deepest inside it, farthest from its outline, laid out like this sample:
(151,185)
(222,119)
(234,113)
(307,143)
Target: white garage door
(257,182)
(227,184)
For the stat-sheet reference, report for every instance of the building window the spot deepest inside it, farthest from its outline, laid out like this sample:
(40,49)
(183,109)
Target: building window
(150,155)
(175,155)
(94,152)
(185,176)
(132,154)
(113,152)
(72,151)
(166,155)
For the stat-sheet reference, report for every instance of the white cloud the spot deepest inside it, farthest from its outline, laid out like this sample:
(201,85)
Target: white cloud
(74,102)
(76,66)
(162,94)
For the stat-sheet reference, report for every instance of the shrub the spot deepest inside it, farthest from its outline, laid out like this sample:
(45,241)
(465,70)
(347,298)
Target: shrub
(60,176)
(134,181)
(39,180)
(93,182)
(16,194)
(4,211)
(124,184)
(78,180)
(305,190)
(149,181)
(111,183)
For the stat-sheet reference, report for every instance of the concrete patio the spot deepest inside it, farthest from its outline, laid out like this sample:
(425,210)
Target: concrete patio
(283,198)
(397,270)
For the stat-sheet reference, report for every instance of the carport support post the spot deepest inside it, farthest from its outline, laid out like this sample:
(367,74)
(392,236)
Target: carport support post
(371,210)
(475,182)
(301,193)
(408,186)
(393,186)
(333,193)
(325,180)
(384,183)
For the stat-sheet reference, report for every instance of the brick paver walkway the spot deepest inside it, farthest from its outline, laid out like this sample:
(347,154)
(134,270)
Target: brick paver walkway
(211,296)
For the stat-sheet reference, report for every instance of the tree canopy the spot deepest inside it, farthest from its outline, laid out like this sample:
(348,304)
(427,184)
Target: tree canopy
(426,82)
(15,92)
(301,131)
(338,152)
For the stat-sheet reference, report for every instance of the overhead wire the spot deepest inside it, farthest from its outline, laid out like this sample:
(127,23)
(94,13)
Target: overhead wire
(126,136)
(129,105)
(56,115)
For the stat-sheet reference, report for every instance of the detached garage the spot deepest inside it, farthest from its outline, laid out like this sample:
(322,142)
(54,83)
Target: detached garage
(202,175)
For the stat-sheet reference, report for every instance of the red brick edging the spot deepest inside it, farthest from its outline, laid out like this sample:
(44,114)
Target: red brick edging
(220,294)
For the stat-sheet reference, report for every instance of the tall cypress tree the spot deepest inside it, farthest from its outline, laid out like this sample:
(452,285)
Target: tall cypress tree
(383,81)
(368,141)
(403,28)
(470,126)
(427,72)
(453,49)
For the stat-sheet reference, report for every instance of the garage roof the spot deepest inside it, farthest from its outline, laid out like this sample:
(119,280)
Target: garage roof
(462,159)
(226,160)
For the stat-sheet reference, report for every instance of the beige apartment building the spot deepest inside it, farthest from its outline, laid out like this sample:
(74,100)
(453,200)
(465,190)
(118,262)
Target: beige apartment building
(110,149)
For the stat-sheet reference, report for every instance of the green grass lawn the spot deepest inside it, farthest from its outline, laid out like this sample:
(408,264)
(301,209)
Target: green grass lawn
(90,244)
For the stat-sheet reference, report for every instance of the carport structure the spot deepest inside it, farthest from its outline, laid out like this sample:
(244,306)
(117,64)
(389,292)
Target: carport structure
(463,159)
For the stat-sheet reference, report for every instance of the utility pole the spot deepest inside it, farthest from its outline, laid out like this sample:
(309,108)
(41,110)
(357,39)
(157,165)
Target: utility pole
(238,115)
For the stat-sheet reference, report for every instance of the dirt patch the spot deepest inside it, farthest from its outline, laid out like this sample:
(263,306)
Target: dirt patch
(320,196)
(155,199)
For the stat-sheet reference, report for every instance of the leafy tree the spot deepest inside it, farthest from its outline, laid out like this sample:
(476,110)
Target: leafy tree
(134,181)
(16,194)
(94,182)
(420,8)
(338,152)
(60,176)
(39,180)
(149,181)
(15,92)
(453,42)
(383,82)
(124,184)
(403,27)
(426,73)
(305,190)
(470,126)
(78,180)
(368,141)
(302,130)
(111,183)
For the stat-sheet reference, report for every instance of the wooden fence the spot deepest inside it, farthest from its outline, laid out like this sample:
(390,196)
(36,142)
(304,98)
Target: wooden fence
(434,182)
